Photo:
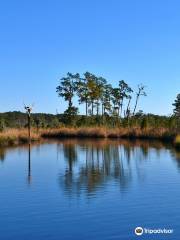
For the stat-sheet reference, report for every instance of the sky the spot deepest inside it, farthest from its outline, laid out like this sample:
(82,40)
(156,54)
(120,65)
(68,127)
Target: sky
(134,40)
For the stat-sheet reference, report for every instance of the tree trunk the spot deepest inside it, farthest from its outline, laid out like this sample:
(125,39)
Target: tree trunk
(128,110)
(29,163)
(102,109)
(121,105)
(86,108)
(97,111)
(92,106)
(118,110)
(137,98)
(29,128)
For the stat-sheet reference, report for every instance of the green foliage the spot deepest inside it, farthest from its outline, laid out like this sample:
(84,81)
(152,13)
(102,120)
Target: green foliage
(96,94)
(82,91)
(99,97)
(103,102)
(38,120)
(2,124)
(106,99)
(176,104)
(69,118)
(67,88)
(144,123)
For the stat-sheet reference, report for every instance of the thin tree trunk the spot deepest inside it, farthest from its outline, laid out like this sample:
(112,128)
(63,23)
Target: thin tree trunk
(70,103)
(70,99)
(102,109)
(92,103)
(29,163)
(29,128)
(118,110)
(97,112)
(137,98)
(102,113)
(121,104)
(128,110)
(86,108)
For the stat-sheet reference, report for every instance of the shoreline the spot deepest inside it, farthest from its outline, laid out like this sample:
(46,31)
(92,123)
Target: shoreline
(12,137)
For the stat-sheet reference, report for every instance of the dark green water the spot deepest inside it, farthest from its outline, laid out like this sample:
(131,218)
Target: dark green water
(89,189)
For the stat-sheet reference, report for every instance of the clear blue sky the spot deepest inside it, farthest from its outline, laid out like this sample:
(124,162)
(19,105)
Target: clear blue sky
(134,40)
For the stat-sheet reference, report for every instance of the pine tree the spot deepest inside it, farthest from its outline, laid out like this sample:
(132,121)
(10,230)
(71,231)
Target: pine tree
(176,104)
(67,89)
(82,92)
(140,92)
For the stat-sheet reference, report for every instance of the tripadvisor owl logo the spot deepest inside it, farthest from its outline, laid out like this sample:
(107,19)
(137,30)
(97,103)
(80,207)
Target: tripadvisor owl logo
(139,231)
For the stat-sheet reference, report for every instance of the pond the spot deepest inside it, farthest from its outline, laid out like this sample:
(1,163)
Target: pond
(89,189)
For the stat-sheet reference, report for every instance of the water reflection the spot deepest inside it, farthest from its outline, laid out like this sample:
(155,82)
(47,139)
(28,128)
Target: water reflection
(176,156)
(90,165)
(2,154)
(29,164)
(78,184)
(5,150)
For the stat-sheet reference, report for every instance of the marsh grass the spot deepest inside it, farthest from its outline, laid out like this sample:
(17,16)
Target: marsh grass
(75,132)
(16,136)
(100,132)
(20,136)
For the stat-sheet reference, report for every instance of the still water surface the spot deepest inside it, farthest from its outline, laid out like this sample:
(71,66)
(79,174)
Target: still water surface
(89,189)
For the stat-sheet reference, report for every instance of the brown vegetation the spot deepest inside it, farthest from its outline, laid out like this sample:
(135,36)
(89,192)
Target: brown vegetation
(99,132)
(20,136)
(16,136)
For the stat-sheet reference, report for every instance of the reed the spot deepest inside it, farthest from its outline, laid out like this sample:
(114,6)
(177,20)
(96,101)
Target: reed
(19,136)
(74,132)
(16,136)
(100,132)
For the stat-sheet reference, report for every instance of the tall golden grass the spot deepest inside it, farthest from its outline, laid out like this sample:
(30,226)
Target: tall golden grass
(100,132)
(18,136)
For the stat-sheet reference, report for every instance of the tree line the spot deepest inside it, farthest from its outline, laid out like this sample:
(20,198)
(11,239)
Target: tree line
(104,105)
(98,96)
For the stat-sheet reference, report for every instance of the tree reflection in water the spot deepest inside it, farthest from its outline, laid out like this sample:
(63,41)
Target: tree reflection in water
(101,161)
(2,154)
(70,155)
(176,156)
(92,164)
(29,164)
